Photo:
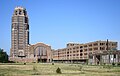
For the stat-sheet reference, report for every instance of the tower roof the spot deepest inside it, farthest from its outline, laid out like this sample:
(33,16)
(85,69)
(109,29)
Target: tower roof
(18,7)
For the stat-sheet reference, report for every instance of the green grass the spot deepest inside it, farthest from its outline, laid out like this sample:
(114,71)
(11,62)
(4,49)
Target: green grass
(47,69)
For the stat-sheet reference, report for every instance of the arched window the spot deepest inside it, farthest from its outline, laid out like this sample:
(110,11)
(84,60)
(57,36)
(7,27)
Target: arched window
(20,12)
(15,12)
(40,51)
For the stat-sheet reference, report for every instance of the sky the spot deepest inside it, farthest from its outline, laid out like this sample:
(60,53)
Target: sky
(57,22)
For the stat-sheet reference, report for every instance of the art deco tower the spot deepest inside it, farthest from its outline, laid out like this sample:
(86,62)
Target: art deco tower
(19,33)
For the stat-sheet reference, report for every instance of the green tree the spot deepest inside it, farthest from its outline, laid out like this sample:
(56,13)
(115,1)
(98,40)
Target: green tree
(3,56)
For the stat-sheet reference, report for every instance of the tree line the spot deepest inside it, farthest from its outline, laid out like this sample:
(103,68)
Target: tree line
(3,56)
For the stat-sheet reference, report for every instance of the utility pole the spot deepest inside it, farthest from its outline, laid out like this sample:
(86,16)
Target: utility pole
(108,50)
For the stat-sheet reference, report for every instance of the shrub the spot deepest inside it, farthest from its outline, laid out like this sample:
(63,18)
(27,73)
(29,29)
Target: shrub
(52,63)
(58,70)
(113,64)
(24,63)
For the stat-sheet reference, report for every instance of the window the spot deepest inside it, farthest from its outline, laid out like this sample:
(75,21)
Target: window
(81,46)
(15,12)
(85,53)
(102,48)
(26,20)
(85,46)
(20,12)
(40,51)
(77,47)
(85,49)
(90,49)
(81,54)
(67,45)
(96,48)
(24,12)
(90,45)
(81,50)
(102,43)
(95,44)
(114,56)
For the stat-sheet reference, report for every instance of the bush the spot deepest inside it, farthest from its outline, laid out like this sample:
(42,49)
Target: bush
(52,63)
(113,64)
(58,70)
(24,63)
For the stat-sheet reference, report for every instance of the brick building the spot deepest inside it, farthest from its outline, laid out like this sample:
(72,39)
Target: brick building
(21,50)
(79,53)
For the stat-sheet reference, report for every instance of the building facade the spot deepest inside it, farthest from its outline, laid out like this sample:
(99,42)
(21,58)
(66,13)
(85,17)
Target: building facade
(21,50)
(79,53)
(105,57)
(19,33)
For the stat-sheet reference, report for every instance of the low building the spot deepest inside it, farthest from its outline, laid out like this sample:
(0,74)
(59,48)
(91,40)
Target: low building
(105,57)
(79,53)
(39,52)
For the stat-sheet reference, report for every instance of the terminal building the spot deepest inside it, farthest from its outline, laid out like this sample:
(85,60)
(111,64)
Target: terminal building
(79,53)
(22,51)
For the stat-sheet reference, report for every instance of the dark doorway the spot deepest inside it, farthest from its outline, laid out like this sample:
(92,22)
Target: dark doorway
(42,60)
(98,59)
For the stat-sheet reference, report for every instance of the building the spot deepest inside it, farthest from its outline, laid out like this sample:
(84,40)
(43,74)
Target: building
(79,53)
(40,52)
(19,33)
(105,57)
(21,50)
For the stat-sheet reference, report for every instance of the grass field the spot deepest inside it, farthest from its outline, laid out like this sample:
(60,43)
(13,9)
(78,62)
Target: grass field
(47,69)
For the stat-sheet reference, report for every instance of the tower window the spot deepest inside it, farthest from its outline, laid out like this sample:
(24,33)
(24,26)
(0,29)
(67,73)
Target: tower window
(26,20)
(20,12)
(24,12)
(15,12)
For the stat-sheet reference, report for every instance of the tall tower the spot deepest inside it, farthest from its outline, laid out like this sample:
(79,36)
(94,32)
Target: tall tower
(19,33)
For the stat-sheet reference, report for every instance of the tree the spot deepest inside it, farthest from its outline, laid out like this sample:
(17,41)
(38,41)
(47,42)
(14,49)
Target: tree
(3,56)
(58,70)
